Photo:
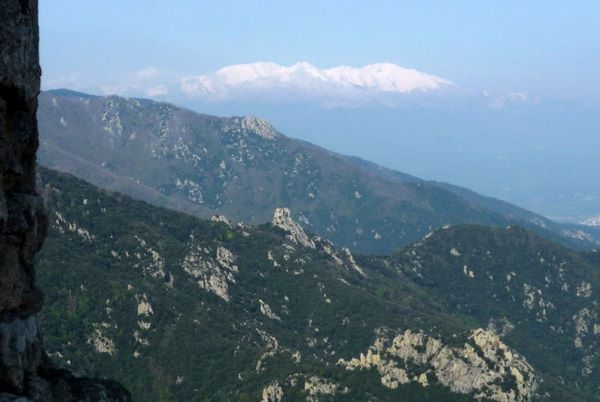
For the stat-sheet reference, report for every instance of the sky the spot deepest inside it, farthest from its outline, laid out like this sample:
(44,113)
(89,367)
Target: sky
(511,87)
(549,48)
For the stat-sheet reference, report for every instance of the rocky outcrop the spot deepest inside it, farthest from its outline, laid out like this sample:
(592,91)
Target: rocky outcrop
(484,366)
(272,393)
(214,275)
(25,371)
(221,219)
(251,124)
(317,388)
(282,218)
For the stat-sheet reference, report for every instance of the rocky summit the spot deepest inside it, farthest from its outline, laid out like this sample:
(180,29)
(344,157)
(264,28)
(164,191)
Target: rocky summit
(26,372)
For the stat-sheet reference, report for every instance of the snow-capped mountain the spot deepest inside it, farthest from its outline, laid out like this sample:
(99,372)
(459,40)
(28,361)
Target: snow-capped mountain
(593,221)
(306,80)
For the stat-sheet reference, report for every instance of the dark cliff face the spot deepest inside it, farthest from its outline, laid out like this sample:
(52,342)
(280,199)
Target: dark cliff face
(22,222)
(21,219)
(24,369)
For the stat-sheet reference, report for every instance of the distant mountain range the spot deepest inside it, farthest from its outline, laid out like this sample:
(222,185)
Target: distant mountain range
(594,221)
(340,85)
(243,168)
(532,151)
(180,308)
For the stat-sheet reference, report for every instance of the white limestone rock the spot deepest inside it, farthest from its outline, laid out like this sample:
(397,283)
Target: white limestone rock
(150,260)
(479,367)
(214,275)
(101,342)
(144,308)
(282,219)
(272,259)
(317,386)
(251,124)
(258,126)
(271,348)
(584,289)
(583,320)
(352,262)
(221,219)
(266,310)
(272,393)
(455,252)
(63,225)
(327,248)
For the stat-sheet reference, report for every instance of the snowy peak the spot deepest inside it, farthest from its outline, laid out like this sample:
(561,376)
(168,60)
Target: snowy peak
(385,77)
(304,79)
(593,221)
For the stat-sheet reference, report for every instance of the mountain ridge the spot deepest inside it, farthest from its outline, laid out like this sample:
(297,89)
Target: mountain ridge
(306,80)
(291,314)
(208,165)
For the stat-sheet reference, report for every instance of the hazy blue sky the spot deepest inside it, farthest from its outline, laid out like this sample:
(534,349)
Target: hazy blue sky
(549,47)
(545,48)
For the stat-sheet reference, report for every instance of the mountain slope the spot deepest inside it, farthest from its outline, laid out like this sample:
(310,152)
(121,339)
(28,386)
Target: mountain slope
(179,308)
(542,297)
(243,168)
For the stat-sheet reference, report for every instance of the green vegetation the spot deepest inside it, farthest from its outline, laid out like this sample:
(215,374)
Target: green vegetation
(108,258)
(541,296)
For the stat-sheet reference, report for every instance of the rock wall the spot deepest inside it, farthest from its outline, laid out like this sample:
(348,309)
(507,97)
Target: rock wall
(25,371)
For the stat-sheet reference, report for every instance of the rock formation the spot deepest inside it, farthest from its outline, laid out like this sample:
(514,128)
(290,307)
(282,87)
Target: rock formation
(282,218)
(484,366)
(25,371)
(272,393)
